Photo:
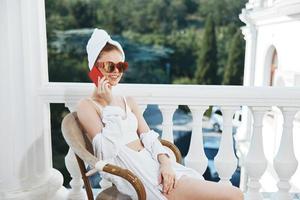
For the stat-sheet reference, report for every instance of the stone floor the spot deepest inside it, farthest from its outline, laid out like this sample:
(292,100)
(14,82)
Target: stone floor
(265,195)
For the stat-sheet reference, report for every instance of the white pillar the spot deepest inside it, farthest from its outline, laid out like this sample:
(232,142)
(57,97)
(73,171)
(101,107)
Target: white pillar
(167,124)
(285,162)
(250,35)
(256,162)
(225,160)
(26,157)
(196,157)
(243,134)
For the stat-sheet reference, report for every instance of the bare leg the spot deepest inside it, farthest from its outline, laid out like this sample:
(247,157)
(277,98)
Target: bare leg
(195,189)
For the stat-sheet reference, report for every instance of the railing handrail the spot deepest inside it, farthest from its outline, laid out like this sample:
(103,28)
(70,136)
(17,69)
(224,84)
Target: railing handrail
(174,94)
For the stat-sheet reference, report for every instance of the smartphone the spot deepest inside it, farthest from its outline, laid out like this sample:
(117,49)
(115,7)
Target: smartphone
(94,74)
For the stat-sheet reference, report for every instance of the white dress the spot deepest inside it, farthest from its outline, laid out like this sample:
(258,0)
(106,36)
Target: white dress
(110,146)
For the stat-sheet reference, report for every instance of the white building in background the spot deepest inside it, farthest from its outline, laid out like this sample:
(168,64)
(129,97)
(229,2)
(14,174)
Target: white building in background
(272,58)
(272,42)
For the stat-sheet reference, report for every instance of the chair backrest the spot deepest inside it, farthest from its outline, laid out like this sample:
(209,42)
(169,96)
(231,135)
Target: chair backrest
(75,139)
(88,144)
(79,143)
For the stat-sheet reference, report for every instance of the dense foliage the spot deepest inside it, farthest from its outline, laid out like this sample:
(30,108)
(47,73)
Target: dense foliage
(167,37)
(165,41)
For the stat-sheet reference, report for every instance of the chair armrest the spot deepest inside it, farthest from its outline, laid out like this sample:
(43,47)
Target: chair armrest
(129,176)
(174,148)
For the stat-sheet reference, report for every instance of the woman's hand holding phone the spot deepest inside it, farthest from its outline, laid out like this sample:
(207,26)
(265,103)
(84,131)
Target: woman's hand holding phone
(104,89)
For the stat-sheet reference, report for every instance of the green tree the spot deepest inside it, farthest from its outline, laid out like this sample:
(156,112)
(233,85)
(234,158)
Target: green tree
(223,12)
(159,16)
(58,17)
(112,16)
(191,5)
(85,13)
(234,69)
(184,80)
(142,16)
(185,44)
(207,66)
(224,36)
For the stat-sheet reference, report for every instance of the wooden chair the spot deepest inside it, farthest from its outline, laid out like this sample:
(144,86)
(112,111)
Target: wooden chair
(77,140)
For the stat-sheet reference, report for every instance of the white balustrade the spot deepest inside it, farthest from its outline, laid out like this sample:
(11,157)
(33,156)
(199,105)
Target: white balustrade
(255,162)
(167,124)
(285,162)
(196,157)
(168,98)
(225,160)
(76,192)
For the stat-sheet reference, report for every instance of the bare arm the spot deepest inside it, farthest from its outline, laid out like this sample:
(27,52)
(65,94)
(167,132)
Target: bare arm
(89,118)
(142,124)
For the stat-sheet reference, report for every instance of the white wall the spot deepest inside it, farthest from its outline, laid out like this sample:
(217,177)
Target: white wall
(285,38)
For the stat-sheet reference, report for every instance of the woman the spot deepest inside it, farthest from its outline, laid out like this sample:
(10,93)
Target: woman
(121,136)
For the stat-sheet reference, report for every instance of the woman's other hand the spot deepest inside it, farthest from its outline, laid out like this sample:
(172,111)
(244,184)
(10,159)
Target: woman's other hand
(167,177)
(104,90)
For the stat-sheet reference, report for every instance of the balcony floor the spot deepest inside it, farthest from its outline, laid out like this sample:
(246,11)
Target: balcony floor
(266,195)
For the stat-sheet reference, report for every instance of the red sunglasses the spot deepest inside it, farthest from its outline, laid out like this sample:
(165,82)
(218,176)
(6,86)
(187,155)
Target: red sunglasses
(110,67)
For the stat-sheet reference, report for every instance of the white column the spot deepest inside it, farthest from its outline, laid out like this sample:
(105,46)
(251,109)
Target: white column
(285,163)
(167,124)
(244,131)
(196,157)
(26,156)
(250,35)
(225,160)
(255,162)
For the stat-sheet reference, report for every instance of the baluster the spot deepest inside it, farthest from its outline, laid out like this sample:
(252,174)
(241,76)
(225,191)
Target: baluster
(225,160)
(167,125)
(285,163)
(196,157)
(76,191)
(255,161)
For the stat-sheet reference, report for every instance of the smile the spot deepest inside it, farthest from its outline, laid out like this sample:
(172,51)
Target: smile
(113,76)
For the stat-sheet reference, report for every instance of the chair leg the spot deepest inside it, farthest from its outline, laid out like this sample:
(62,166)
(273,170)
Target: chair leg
(85,179)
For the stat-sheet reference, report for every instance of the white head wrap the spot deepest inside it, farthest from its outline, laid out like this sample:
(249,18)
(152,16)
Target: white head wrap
(97,41)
